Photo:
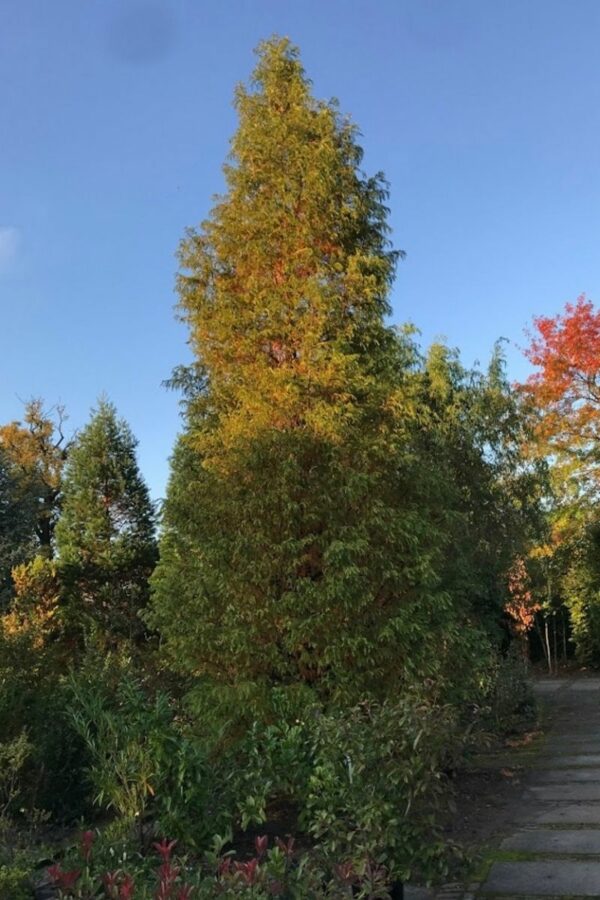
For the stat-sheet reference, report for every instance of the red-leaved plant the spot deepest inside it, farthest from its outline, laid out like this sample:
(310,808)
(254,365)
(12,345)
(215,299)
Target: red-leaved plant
(269,872)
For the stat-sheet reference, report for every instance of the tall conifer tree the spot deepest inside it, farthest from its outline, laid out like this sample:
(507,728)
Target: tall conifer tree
(297,552)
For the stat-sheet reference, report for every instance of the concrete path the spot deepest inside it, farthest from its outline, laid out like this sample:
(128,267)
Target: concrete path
(555,849)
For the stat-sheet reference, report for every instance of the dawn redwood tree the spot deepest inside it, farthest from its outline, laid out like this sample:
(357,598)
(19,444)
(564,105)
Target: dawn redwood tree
(106,533)
(301,535)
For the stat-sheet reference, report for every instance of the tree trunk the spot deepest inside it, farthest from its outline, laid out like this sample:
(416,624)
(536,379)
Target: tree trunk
(548,650)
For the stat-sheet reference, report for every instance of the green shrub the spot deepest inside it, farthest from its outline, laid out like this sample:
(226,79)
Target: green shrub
(367,782)
(14,883)
(33,699)
(377,784)
(143,765)
(13,756)
(511,700)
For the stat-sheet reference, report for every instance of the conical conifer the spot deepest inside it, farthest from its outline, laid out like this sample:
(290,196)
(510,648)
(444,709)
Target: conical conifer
(106,533)
(296,554)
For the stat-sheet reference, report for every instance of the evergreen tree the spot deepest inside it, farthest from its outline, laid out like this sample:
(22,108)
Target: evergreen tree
(106,533)
(300,548)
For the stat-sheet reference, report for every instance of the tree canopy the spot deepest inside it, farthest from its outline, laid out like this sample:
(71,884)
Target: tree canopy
(36,449)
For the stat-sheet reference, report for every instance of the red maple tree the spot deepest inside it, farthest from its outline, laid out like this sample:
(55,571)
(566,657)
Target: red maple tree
(565,390)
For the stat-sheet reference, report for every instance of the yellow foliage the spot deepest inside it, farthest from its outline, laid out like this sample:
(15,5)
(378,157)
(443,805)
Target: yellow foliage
(33,611)
(34,445)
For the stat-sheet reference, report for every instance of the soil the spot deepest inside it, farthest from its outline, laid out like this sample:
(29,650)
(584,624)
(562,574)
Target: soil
(486,804)
(488,798)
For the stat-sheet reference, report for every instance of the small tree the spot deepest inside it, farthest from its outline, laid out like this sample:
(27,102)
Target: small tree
(106,533)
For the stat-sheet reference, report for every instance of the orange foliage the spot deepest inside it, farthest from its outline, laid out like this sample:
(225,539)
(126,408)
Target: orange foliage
(566,389)
(521,607)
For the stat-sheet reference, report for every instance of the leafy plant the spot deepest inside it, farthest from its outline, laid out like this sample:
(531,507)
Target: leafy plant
(511,700)
(14,883)
(279,869)
(13,756)
(141,760)
(368,782)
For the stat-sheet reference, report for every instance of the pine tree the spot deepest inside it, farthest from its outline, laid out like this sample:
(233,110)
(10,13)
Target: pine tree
(298,553)
(106,532)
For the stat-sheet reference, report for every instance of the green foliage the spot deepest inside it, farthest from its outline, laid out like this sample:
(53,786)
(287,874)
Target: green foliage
(474,440)
(339,511)
(511,702)
(13,756)
(50,782)
(105,536)
(368,782)
(581,590)
(14,883)
(343,587)
(399,570)
(280,525)
(377,785)
(142,763)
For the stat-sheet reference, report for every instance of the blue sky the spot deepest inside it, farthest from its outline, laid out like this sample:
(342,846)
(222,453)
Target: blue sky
(115,117)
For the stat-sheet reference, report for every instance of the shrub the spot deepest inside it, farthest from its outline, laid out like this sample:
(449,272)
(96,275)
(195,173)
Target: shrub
(367,782)
(33,699)
(13,756)
(142,763)
(377,784)
(14,883)
(511,700)
(279,870)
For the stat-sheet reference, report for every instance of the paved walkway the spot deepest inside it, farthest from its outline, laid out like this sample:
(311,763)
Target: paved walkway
(555,847)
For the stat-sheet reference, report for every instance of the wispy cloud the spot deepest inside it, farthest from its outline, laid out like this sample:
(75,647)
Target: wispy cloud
(10,238)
